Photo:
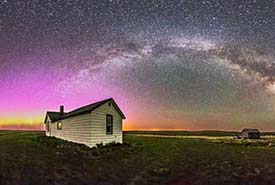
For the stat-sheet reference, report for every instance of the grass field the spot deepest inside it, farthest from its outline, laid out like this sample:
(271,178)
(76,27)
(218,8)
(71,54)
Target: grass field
(172,158)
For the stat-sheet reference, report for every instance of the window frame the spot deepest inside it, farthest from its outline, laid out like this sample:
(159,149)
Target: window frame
(57,125)
(109,131)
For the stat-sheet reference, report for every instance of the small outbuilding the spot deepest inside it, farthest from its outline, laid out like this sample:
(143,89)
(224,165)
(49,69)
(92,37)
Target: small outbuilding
(250,133)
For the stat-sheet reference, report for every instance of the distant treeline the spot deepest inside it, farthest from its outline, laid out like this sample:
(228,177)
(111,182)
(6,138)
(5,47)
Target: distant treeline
(194,133)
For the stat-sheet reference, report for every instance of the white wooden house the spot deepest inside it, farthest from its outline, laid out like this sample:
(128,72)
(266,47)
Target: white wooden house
(100,122)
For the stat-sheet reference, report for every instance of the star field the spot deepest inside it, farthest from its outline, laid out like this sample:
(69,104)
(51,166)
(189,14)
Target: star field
(169,64)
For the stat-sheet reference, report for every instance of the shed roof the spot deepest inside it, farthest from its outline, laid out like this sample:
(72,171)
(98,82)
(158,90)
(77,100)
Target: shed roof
(56,116)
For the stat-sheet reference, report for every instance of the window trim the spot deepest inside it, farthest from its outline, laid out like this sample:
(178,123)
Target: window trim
(111,125)
(57,125)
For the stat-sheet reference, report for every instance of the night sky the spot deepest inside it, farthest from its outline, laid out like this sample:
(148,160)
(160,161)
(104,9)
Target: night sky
(168,64)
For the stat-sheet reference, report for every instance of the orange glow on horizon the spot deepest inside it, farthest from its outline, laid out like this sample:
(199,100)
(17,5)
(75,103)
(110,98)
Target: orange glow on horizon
(130,126)
(19,120)
(23,122)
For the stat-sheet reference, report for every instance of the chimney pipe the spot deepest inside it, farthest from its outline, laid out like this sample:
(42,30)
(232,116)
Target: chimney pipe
(61,110)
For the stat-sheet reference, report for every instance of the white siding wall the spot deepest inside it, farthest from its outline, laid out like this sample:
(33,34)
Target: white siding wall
(76,129)
(99,125)
(47,133)
(45,126)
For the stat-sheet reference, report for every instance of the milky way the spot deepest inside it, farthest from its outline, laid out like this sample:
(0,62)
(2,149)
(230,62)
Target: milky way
(169,64)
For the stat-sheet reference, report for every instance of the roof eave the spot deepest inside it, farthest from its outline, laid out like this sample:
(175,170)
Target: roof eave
(46,116)
(87,111)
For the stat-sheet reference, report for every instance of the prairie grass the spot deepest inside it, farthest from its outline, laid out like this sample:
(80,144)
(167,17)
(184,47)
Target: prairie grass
(143,159)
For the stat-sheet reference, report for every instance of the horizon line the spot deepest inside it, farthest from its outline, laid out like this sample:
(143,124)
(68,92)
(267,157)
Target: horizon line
(148,130)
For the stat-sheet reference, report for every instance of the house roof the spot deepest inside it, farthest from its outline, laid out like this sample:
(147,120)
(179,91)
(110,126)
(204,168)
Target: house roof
(250,130)
(56,116)
(53,115)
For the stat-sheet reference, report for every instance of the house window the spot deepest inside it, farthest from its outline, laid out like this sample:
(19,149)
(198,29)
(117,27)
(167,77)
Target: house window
(109,124)
(59,126)
(109,104)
